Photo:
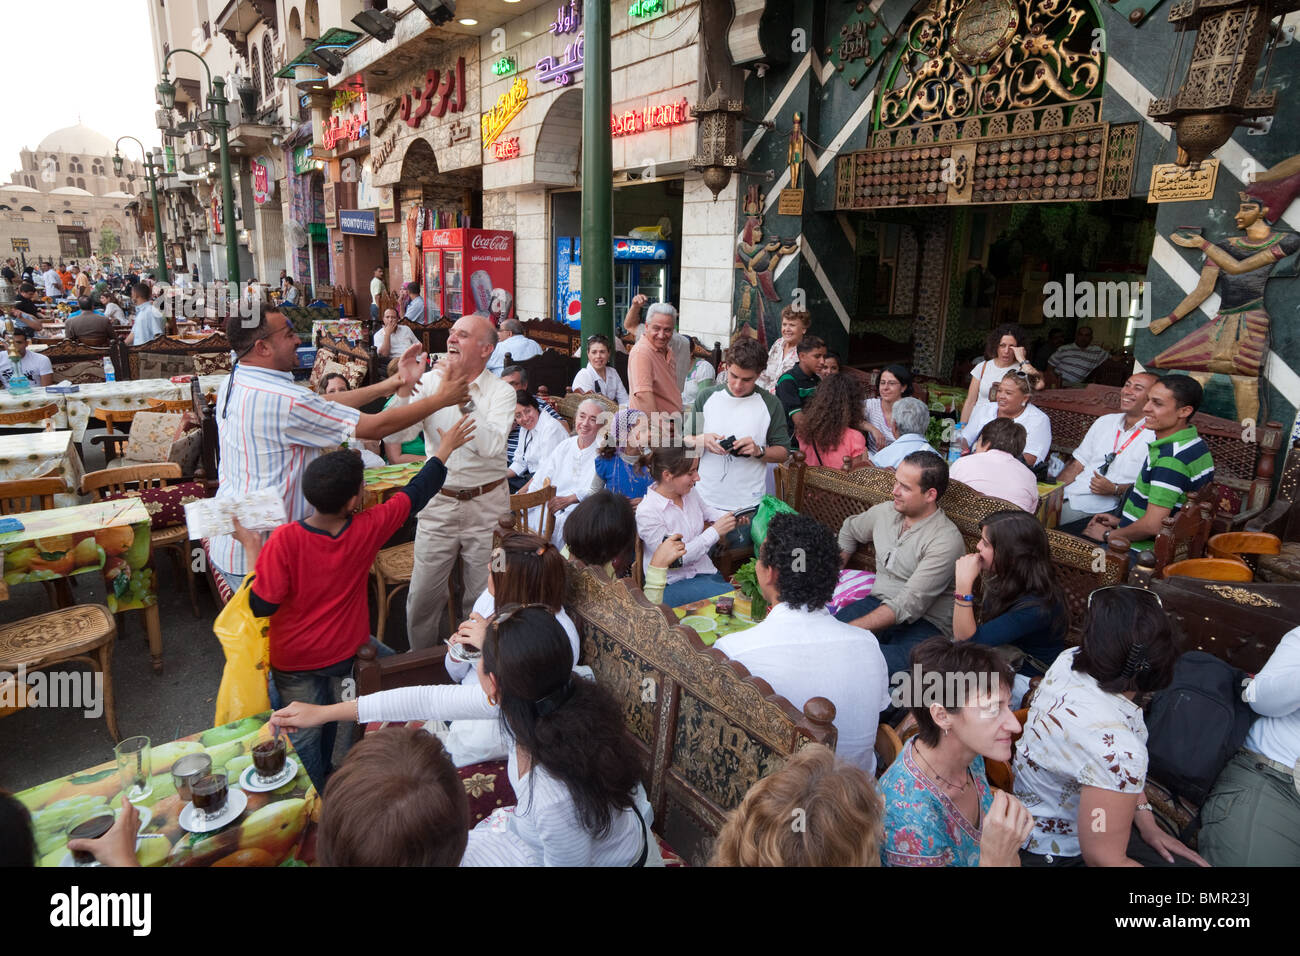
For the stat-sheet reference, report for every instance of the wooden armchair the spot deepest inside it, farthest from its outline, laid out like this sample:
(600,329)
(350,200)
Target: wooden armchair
(521,504)
(557,336)
(1181,536)
(1282,519)
(29,494)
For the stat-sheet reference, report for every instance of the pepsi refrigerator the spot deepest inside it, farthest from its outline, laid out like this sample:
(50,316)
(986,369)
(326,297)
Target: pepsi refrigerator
(462,267)
(641,267)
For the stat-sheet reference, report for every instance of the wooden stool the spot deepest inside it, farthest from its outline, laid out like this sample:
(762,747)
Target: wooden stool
(83,633)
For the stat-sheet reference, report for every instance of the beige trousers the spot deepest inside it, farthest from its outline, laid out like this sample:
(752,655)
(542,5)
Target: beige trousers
(446,528)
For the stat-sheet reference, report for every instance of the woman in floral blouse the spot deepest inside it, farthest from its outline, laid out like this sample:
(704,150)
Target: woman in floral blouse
(1081,764)
(939,808)
(785,351)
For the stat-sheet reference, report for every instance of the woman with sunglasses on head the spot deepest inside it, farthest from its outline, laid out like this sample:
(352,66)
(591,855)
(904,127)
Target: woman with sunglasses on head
(576,776)
(525,569)
(1004,350)
(1023,608)
(1083,755)
(1013,402)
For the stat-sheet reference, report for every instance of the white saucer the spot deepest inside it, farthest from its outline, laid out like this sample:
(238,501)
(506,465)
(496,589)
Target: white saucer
(253,782)
(236,801)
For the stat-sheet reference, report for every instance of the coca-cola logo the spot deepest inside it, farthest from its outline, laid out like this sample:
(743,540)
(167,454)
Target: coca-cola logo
(439,239)
(494,243)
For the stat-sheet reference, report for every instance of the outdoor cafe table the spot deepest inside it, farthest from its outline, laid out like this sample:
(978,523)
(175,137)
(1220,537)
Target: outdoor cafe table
(277,828)
(109,537)
(75,408)
(43,455)
(381,482)
(704,618)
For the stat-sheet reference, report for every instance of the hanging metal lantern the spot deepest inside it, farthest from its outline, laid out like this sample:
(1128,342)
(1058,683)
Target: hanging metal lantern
(718,156)
(1209,98)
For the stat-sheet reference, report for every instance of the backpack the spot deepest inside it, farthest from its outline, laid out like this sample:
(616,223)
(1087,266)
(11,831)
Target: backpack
(1196,724)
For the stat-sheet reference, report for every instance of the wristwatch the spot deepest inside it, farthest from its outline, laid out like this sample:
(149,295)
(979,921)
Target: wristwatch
(1105,538)
(762,450)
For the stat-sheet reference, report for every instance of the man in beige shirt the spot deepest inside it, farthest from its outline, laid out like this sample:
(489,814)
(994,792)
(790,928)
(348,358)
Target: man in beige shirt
(651,366)
(461,517)
(916,548)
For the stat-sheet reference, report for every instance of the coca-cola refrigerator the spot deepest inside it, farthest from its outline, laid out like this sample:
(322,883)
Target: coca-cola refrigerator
(462,267)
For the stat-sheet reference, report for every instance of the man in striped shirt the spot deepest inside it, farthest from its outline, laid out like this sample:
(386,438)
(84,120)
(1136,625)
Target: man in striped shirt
(1178,464)
(1076,362)
(270,428)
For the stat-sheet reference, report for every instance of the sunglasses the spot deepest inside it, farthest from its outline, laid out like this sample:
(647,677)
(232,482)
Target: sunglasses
(1126,587)
(1105,465)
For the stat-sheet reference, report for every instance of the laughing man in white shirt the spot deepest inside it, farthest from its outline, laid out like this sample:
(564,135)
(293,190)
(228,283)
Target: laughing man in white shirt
(800,649)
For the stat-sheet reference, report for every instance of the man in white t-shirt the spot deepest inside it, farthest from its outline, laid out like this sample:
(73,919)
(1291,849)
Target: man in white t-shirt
(34,366)
(148,323)
(393,339)
(733,477)
(53,284)
(377,288)
(1109,457)
(800,649)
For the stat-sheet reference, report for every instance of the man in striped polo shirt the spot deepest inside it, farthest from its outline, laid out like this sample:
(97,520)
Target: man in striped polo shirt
(1075,362)
(1178,464)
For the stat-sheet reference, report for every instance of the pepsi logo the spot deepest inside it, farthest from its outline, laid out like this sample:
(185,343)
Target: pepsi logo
(575,308)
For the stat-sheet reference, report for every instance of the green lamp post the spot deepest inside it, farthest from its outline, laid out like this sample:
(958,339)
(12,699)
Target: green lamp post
(217,99)
(153,195)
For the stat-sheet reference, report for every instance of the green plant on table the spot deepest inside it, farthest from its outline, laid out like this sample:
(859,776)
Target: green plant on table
(745,581)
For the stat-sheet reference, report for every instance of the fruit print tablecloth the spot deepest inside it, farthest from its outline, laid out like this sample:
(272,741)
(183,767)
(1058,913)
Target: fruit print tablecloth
(276,828)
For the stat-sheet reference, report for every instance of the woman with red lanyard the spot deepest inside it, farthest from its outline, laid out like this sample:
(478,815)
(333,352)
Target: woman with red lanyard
(1109,458)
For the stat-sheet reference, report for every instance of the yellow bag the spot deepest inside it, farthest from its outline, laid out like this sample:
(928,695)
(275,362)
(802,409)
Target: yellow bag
(245,640)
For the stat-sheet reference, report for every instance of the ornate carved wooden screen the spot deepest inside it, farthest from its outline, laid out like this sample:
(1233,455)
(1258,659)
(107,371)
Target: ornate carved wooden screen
(987,101)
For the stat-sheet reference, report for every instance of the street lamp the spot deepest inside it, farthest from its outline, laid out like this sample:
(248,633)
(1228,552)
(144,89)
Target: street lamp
(217,100)
(153,195)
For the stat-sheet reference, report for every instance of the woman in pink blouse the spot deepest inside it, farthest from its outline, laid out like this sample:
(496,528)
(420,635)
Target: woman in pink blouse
(830,428)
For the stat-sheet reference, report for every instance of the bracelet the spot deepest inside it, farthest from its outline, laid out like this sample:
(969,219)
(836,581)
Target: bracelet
(1145,806)
(957,595)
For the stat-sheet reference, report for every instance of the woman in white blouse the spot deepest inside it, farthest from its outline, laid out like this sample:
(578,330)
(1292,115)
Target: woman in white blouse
(785,352)
(895,382)
(573,771)
(1083,755)
(1013,403)
(113,308)
(1003,350)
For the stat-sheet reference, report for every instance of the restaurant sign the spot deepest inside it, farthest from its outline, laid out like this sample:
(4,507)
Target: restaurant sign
(649,117)
(263,183)
(441,92)
(506,148)
(303,161)
(357,222)
(509,105)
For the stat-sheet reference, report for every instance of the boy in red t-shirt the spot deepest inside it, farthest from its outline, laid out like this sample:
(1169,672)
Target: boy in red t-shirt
(310,579)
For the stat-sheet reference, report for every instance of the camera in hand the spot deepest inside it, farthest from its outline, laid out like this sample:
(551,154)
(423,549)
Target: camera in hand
(728,445)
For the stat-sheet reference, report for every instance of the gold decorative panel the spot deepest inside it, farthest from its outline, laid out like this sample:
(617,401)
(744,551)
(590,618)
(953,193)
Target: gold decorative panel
(711,755)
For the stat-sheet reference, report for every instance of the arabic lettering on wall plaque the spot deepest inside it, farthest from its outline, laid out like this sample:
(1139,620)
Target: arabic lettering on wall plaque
(508,107)
(441,92)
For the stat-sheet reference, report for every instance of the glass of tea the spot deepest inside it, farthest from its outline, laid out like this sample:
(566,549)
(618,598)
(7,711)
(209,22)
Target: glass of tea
(208,794)
(268,758)
(188,769)
(135,767)
(91,829)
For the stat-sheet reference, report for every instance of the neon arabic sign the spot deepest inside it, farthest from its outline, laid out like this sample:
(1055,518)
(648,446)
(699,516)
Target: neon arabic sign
(549,70)
(506,148)
(649,117)
(448,89)
(567,20)
(509,105)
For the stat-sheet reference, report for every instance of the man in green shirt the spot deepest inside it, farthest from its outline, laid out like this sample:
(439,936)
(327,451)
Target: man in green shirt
(1178,464)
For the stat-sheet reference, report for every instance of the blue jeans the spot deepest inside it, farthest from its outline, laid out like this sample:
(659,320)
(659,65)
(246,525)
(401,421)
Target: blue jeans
(695,589)
(315,745)
(896,642)
(234,580)
(374,310)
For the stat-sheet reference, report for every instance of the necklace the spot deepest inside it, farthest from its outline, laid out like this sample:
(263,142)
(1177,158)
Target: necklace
(960,788)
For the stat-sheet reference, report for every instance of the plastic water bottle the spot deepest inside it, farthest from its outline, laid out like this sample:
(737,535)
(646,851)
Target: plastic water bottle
(110,375)
(954,446)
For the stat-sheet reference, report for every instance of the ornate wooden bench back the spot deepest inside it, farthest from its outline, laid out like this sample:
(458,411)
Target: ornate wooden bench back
(1238,623)
(552,371)
(831,496)
(706,730)
(550,334)
(165,356)
(80,364)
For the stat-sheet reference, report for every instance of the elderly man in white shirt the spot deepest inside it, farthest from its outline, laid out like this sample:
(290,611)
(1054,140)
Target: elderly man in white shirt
(1109,457)
(800,649)
(539,434)
(514,343)
(571,468)
(461,517)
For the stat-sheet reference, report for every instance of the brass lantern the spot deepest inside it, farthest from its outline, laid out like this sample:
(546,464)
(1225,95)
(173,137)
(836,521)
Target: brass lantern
(1215,96)
(717,157)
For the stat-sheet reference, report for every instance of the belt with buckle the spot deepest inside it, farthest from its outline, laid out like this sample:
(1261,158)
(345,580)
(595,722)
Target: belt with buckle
(468,494)
(1291,773)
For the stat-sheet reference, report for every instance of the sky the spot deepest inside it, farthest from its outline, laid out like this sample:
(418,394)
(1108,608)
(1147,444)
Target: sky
(108,83)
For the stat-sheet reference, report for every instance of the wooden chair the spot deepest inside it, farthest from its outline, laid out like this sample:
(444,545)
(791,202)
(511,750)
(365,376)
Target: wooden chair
(522,503)
(29,494)
(888,747)
(115,416)
(166,405)
(175,540)
(1246,546)
(83,634)
(1211,569)
(1237,623)
(392,573)
(29,416)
